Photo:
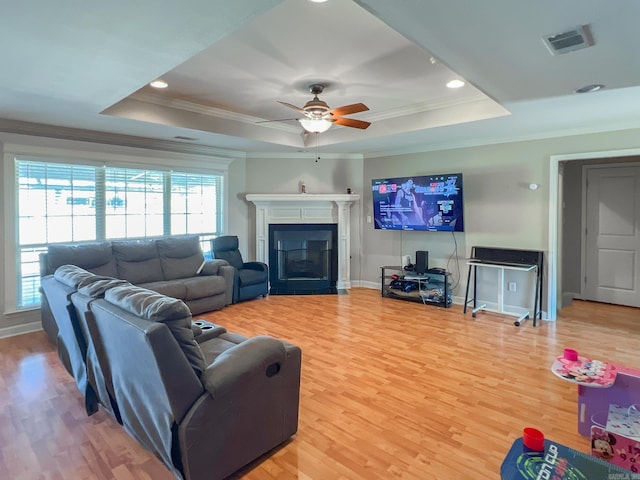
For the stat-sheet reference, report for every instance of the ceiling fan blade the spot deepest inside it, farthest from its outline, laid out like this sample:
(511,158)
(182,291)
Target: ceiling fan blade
(297,109)
(348,109)
(351,122)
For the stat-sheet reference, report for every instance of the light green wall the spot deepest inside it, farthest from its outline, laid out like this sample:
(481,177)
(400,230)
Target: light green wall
(238,210)
(500,210)
(329,174)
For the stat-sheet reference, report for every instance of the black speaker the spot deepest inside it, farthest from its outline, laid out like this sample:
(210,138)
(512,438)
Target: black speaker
(422,262)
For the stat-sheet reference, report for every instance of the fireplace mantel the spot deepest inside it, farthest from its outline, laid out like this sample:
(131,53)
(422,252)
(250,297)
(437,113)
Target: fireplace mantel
(301,208)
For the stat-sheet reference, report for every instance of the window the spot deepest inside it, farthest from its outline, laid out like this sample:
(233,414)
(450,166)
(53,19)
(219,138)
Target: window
(61,203)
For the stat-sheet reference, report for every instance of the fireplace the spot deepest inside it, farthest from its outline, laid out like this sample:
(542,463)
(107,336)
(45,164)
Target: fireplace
(304,210)
(303,259)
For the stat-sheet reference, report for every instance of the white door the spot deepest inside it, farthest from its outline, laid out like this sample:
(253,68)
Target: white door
(612,246)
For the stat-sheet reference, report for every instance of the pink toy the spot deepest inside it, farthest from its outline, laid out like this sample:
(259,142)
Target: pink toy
(584,371)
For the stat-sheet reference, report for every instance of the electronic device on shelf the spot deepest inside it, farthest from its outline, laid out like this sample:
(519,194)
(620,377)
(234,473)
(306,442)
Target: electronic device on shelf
(429,288)
(437,271)
(422,262)
(423,202)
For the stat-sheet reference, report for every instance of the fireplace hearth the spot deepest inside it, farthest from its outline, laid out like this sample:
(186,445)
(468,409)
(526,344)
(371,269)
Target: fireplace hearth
(303,259)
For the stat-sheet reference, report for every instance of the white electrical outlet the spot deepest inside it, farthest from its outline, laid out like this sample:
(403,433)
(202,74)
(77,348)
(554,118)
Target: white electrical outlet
(368,218)
(512,286)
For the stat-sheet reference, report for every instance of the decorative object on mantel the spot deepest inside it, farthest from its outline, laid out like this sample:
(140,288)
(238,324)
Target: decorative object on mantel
(303,187)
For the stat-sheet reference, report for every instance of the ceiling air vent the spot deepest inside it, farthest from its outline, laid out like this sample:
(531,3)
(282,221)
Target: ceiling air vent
(570,41)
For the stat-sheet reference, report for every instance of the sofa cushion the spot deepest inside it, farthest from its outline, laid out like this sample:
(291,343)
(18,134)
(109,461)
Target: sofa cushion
(71,275)
(86,282)
(233,257)
(156,307)
(202,287)
(137,260)
(94,257)
(212,267)
(212,348)
(226,248)
(96,285)
(251,277)
(171,288)
(180,257)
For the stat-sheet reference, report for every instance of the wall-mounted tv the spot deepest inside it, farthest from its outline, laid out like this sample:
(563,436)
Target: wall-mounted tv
(424,202)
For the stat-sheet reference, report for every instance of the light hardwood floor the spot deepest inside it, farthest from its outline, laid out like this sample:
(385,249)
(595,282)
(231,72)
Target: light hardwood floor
(390,389)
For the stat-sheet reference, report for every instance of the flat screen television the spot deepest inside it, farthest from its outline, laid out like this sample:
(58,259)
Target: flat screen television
(425,202)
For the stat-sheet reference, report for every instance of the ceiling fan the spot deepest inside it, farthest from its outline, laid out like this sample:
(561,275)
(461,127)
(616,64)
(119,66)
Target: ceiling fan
(318,116)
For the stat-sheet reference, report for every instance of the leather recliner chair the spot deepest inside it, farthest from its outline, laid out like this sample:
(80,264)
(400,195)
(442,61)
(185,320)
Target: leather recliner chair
(205,409)
(251,279)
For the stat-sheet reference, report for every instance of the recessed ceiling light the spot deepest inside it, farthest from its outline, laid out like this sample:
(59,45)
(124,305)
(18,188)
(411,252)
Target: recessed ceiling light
(455,84)
(159,84)
(590,88)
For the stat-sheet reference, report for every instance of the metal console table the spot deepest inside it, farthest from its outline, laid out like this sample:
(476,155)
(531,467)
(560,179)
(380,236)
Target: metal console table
(505,259)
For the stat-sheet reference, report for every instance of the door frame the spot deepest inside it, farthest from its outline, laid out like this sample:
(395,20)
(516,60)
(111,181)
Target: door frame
(555,218)
(583,236)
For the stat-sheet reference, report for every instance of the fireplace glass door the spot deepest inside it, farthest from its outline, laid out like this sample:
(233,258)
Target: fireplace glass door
(303,259)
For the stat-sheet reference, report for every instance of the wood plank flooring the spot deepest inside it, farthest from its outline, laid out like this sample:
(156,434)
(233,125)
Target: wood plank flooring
(390,389)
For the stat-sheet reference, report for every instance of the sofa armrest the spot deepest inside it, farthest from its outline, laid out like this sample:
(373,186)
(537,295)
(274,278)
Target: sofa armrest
(44,265)
(260,266)
(212,267)
(254,358)
(226,271)
(203,330)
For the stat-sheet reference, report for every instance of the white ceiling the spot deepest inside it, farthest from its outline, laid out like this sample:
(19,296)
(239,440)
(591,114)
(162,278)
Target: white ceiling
(228,63)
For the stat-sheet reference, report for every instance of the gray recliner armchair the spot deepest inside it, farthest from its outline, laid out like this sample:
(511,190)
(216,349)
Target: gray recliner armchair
(251,279)
(205,409)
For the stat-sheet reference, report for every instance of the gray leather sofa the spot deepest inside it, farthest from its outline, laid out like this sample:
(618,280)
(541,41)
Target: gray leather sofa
(174,266)
(205,401)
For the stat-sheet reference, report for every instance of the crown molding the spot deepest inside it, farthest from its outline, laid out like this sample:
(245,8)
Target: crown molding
(66,133)
(192,107)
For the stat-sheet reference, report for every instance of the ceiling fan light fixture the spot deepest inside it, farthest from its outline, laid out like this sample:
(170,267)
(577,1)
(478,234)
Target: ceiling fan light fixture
(315,125)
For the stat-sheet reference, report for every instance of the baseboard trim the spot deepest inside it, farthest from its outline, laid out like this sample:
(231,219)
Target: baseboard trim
(20,329)
(568,297)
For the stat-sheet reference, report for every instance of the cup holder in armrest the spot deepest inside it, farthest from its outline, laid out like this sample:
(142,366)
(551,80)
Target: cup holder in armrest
(208,330)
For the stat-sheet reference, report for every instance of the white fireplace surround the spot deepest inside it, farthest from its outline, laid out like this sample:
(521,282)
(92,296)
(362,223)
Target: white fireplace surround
(306,208)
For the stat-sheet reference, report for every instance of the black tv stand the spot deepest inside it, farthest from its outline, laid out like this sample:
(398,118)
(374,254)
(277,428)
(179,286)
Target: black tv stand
(431,288)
